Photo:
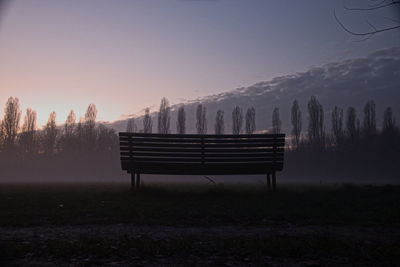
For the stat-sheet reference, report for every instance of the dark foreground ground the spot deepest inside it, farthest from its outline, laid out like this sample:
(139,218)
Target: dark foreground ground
(106,224)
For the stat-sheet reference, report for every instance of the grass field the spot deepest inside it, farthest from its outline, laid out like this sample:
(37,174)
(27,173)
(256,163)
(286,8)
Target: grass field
(199,224)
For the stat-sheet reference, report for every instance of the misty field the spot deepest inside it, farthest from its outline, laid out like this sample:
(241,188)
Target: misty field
(299,225)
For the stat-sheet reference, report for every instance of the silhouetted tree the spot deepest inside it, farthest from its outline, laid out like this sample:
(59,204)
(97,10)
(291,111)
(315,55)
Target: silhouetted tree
(131,126)
(351,124)
(106,138)
(80,135)
(89,126)
(1,134)
(69,126)
(276,121)
(316,122)
(50,134)
(369,122)
(219,126)
(147,122)
(12,115)
(68,139)
(250,120)
(27,137)
(389,122)
(181,121)
(237,120)
(337,124)
(201,121)
(164,117)
(296,123)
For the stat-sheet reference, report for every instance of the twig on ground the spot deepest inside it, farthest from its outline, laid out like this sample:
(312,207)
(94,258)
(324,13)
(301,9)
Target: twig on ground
(209,179)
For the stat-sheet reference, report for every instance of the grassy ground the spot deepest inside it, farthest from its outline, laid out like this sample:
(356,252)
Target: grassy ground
(24,205)
(209,224)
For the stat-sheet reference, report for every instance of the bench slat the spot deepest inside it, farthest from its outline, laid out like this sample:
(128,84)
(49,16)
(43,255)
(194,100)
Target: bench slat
(206,145)
(166,149)
(154,135)
(199,140)
(208,155)
(211,169)
(198,150)
(141,159)
(172,160)
(158,154)
(140,144)
(156,140)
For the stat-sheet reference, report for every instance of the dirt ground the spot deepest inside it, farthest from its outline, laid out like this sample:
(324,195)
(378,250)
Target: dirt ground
(109,237)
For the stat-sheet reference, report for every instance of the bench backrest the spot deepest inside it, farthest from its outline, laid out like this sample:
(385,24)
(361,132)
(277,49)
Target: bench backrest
(201,154)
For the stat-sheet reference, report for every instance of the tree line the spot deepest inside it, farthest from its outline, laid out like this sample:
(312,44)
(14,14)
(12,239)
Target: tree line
(87,135)
(83,148)
(82,135)
(346,126)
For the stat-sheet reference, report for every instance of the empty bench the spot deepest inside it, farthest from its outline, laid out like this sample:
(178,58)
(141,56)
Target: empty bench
(192,154)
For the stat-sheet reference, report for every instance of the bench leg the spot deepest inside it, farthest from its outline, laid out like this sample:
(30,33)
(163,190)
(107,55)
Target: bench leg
(268,181)
(274,181)
(133,184)
(137,180)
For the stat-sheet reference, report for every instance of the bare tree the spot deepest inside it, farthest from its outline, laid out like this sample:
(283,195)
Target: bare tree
(316,122)
(91,114)
(27,137)
(250,120)
(106,138)
(1,134)
(237,120)
(389,122)
(373,7)
(164,117)
(69,126)
(89,127)
(201,121)
(219,126)
(296,123)
(147,122)
(337,124)
(181,121)
(67,141)
(131,126)
(276,121)
(358,128)
(369,122)
(50,134)
(351,123)
(12,115)
(79,134)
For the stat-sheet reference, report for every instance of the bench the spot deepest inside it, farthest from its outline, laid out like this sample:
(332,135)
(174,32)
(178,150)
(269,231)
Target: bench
(193,154)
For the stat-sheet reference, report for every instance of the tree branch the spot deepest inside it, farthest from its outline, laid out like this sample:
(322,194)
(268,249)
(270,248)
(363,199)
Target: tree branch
(379,6)
(375,31)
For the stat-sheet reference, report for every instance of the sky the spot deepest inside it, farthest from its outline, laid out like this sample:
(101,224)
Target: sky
(125,55)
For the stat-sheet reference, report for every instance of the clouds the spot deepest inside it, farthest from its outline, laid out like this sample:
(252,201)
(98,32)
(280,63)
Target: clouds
(346,83)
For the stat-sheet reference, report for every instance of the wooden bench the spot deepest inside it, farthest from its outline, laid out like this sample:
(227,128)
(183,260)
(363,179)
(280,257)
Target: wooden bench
(192,154)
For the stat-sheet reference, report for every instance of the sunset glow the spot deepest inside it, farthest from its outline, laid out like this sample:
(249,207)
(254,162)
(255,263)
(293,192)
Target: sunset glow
(125,56)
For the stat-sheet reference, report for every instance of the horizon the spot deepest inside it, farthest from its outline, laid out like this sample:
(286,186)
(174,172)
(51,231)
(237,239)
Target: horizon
(154,108)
